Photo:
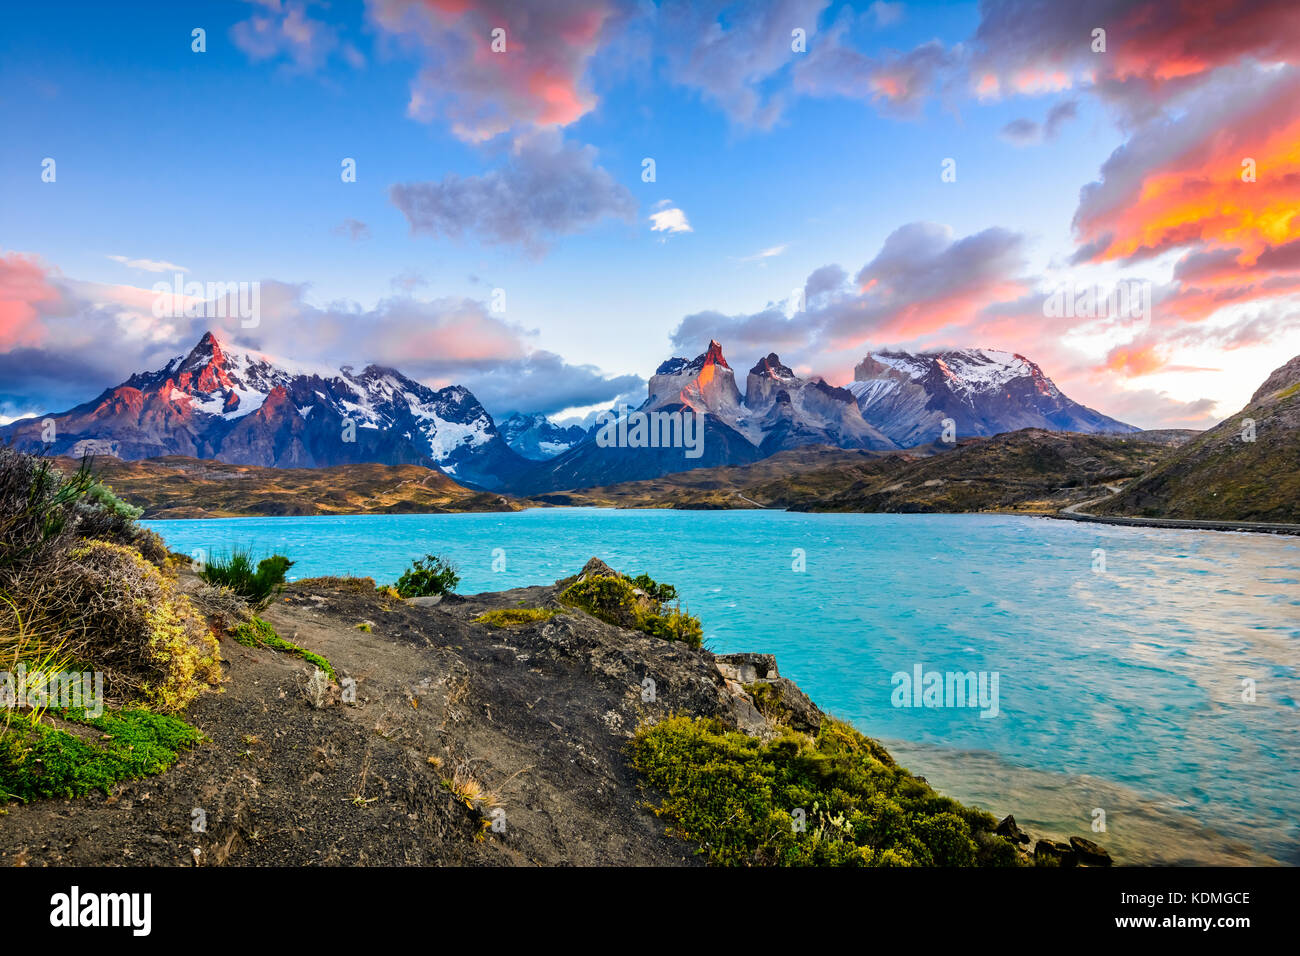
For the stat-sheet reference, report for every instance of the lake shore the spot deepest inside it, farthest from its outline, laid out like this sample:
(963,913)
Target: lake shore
(1145,656)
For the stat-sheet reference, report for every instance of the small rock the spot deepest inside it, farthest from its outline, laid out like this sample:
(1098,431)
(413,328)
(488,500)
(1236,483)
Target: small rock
(427,601)
(1007,828)
(1053,852)
(1089,853)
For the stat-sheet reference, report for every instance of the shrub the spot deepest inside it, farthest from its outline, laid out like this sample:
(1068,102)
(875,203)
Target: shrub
(257,586)
(124,616)
(259,633)
(37,760)
(43,511)
(736,796)
(663,593)
(628,602)
(428,576)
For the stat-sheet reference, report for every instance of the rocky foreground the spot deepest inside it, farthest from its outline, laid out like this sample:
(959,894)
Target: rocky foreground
(445,740)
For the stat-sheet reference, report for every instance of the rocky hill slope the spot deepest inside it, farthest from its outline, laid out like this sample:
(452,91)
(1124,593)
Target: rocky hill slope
(1246,468)
(180,487)
(1030,471)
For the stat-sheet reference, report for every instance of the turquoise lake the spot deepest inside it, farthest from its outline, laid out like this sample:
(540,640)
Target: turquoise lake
(1119,690)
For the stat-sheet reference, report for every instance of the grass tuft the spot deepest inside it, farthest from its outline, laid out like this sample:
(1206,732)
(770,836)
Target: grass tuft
(258,586)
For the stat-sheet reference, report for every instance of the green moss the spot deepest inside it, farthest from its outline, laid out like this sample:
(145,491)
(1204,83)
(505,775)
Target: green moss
(516,616)
(259,633)
(637,604)
(38,760)
(738,797)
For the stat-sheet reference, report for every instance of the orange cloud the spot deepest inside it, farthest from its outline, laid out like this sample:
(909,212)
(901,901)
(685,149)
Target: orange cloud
(1133,361)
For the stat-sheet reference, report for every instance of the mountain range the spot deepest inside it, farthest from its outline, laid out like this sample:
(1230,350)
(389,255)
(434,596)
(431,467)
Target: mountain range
(897,400)
(243,407)
(246,408)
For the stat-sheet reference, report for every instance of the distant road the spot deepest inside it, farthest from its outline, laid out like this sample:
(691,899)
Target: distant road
(1075,513)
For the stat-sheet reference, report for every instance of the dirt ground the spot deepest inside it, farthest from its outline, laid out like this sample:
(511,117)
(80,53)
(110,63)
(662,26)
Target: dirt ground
(538,716)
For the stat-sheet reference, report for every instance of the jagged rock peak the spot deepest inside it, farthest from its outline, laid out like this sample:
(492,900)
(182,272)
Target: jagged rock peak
(772,367)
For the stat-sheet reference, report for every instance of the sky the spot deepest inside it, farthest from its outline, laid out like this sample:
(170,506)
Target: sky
(551,197)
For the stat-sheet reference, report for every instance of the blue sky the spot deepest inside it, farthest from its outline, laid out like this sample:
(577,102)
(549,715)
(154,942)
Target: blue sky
(227,163)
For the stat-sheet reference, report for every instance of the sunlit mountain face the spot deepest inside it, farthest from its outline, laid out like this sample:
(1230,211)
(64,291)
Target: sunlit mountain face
(537,202)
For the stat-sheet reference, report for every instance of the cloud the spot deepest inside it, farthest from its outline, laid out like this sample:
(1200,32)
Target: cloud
(538,81)
(1153,408)
(149,265)
(922,282)
(771,252)
(63,341)
(284,28)
(354,229)
(1154,51)
(669,219)
(730,51)
(544,382)
(1022,132)
(897,82)
(547,188)
(885,14)
(1178,181)
(26,295)
(1027,132)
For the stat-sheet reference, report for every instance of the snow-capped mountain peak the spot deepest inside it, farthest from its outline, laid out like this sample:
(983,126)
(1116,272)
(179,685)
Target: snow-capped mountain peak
(537,438)
(909,395)
(243,406)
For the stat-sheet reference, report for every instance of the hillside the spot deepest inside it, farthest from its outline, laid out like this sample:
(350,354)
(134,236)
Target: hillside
(1222,475)
(728,486)
(180,487)
(1031,471)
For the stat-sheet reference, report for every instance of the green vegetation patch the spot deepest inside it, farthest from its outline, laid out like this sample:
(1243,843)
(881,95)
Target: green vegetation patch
(516,616)
(740,799)
(41,761)
(637,603)
(259,633)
